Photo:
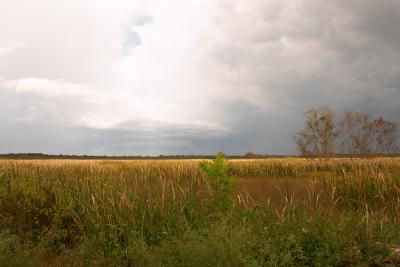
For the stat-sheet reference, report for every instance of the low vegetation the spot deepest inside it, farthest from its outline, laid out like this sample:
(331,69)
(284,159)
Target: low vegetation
(256,212)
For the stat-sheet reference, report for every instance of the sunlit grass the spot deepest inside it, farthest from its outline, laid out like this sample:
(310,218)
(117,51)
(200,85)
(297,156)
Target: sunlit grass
(119,211)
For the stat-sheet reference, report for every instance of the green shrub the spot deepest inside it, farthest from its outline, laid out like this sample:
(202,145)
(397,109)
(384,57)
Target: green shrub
(220,182)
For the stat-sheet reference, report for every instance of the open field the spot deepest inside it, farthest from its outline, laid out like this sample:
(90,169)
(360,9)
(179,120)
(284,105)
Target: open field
(279,212)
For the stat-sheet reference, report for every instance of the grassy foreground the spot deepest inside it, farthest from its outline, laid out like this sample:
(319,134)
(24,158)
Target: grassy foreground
(270,212)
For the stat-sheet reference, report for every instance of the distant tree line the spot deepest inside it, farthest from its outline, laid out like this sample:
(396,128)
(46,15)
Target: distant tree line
(248,155)
(354,133)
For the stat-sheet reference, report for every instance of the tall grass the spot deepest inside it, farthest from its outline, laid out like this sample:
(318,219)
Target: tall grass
(168,212)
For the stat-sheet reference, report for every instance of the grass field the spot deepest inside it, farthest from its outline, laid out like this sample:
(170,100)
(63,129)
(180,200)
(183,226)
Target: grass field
(267,212)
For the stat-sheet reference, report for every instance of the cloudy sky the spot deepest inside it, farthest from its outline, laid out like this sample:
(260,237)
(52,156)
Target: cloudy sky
(189,76)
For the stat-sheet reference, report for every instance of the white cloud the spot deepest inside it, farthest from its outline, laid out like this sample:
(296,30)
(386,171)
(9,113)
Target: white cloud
(9,47)
(200,67)
(53,88)
(77,105)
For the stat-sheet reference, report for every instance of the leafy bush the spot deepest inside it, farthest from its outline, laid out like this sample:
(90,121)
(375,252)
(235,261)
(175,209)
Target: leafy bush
(219,180)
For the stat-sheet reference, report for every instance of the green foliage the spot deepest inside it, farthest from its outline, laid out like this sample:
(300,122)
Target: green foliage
(180,213)
(12,252)
(220,181)
(27,204)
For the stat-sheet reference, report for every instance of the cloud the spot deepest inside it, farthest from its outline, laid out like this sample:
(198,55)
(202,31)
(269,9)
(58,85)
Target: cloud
(51,88)
(9,47)
(65,109)
(192,76)
(298,54)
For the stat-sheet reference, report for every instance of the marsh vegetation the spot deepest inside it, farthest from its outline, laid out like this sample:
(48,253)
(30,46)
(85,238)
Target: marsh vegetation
(264,212)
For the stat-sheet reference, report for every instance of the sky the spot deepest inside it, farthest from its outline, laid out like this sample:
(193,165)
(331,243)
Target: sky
(130,77)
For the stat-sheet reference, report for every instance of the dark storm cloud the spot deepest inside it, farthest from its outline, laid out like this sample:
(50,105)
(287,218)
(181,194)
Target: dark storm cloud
(337,53)
(295,55)
(243,86)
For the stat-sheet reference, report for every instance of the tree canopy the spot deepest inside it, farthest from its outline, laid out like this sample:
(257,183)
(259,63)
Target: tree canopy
(354,133)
